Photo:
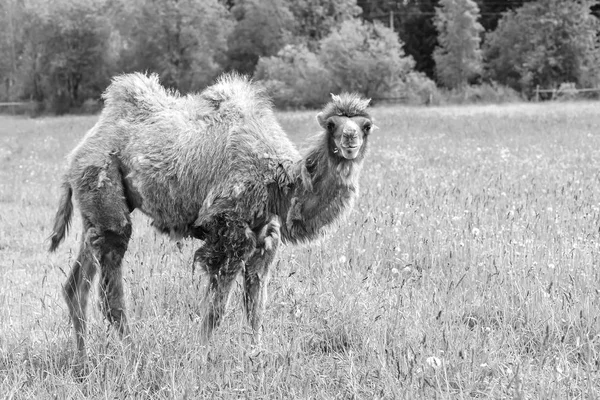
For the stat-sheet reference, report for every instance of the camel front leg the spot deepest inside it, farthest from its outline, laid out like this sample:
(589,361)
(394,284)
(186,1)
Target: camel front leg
(257,274)
(229,242)
(215,301)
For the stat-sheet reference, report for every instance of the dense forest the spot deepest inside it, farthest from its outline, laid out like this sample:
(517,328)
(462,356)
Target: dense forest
(62,53)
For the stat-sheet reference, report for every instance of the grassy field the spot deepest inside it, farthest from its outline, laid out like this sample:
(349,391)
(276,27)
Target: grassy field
(468,269)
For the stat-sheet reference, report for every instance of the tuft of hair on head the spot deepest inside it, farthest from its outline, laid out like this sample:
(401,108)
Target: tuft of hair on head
(347,105)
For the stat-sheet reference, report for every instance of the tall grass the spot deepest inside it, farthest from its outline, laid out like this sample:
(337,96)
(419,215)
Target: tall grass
(469,268)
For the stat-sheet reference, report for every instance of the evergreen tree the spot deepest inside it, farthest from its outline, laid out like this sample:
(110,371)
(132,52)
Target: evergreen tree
(458,56)
(491,11)
(413,22)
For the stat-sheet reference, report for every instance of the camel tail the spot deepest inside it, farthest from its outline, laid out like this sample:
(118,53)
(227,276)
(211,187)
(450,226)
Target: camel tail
(63,217)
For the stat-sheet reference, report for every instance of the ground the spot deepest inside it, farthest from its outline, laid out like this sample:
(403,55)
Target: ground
(469,268)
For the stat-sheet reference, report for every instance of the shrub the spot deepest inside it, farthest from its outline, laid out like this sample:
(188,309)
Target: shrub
(356,57)
(419,89)
(295,78)
(366,58)
(486,93)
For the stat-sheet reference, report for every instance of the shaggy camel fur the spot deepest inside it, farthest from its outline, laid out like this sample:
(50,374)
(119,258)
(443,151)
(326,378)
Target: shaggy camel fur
(215,166)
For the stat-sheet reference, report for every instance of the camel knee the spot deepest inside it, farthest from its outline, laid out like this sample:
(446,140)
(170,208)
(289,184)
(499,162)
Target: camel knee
(110,243)
(228,244)
(269,236)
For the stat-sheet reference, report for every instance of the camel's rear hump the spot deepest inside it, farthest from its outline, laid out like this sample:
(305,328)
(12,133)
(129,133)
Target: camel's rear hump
(139,93)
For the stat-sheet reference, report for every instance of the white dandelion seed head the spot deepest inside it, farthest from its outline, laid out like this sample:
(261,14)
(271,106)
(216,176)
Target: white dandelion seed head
(433,362)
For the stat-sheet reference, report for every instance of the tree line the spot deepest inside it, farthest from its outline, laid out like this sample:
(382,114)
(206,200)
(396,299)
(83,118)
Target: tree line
(62,53)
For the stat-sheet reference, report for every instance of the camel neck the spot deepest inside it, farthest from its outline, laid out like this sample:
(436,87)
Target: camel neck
(325,188)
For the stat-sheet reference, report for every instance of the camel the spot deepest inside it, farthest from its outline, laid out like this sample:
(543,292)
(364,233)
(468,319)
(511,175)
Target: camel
(215,166)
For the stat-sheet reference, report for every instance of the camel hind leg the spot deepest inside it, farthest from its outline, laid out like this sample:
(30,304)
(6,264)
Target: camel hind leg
(111,247)
(76,291)
(257,275)
(107,230)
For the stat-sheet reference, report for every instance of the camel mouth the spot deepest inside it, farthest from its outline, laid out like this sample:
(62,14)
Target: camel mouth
(350,152)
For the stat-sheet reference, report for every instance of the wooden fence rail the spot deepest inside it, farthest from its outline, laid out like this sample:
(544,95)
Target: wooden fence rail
(14,104)
(564,90)
(18,107)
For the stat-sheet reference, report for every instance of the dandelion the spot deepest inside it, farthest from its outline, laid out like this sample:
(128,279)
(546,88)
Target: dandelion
(342,259)
(559,369)
(475,232)
(395,271)
(433,362)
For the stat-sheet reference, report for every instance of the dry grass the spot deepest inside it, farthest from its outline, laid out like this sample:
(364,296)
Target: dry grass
(468,269)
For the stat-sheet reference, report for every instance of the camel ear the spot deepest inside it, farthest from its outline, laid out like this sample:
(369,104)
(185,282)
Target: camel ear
(373,126)
(326,123)
(321,120)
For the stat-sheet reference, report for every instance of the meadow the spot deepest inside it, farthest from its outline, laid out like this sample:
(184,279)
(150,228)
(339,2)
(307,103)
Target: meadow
(469,268)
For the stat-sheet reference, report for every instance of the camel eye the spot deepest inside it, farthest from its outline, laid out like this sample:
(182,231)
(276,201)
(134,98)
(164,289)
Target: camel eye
(330,126)
(367,127)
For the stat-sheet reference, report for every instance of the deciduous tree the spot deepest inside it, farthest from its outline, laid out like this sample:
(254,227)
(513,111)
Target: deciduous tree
(316,18)
(546,43)
(184,41)
(263,27)
(66,58)
(365,57)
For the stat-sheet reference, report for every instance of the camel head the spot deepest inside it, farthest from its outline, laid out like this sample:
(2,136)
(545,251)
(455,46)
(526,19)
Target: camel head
(347,123)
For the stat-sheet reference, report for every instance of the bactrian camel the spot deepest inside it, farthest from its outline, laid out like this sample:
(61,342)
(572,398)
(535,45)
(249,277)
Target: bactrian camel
(215,166)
